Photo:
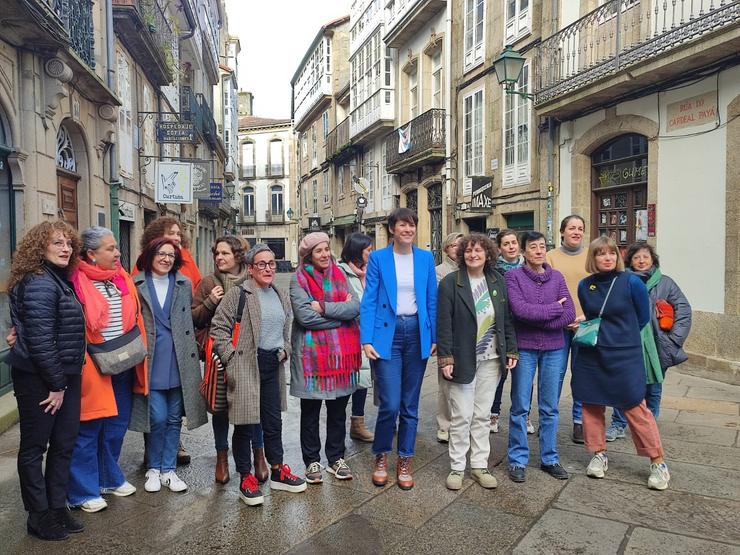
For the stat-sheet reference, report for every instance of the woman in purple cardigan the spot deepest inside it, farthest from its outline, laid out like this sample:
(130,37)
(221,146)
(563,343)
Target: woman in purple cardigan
(542,308)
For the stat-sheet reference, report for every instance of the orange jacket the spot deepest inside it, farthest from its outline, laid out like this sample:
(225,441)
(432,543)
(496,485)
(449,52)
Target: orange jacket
(98,400)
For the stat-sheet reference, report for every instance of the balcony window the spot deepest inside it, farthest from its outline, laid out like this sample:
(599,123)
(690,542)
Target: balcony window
(315,197)
(474,30)
(314,155)
(516,134)
(437,85)
(125,116)
(248,160)
(276,200)
(413,94)
(248,201)
(327,195)
(517,20)
(276,158)
(473,126)
(325,122)
(368,171)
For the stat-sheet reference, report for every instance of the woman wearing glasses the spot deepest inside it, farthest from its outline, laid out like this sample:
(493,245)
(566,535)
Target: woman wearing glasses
(174,369)
(255,368)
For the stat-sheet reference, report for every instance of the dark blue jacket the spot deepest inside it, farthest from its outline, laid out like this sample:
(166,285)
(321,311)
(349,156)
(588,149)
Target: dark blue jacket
(50,325)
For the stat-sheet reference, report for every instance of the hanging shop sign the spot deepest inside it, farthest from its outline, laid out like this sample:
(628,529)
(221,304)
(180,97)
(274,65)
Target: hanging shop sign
(216,192)
(126,211)
(481,200)
(174,183)
(314,224)
(176,132)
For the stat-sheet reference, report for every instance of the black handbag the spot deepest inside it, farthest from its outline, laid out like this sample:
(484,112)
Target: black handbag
(120,354)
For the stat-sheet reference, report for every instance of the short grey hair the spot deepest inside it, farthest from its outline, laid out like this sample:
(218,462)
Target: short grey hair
(92,238)
(255,250)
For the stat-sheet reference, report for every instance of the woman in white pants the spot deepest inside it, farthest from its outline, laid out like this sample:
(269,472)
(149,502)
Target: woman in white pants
(474,323)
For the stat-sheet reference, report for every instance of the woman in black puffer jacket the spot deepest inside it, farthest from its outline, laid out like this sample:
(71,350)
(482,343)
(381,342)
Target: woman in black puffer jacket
(46,361)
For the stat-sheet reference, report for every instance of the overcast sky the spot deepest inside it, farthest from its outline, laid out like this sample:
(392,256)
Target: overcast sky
(274,35)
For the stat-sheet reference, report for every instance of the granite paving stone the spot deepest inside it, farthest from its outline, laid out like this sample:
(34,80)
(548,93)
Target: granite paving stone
(645,540)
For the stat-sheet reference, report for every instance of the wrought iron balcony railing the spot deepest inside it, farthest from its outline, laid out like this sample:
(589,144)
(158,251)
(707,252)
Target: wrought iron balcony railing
(247,172)
(621,33)
(424,141)
(337,139)
(274,170)
(76,16)
(208,124)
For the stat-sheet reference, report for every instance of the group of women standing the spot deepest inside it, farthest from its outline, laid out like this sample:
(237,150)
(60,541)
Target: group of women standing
(372,317)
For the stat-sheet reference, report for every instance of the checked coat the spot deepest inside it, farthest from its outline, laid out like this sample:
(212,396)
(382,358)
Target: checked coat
(243,376)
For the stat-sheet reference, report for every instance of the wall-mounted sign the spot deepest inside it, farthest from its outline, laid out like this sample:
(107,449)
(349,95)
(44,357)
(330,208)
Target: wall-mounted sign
(492,232)
(690,112)
(126,211)
(176,132)
(217,192)
(651,220)
(314,224)
(174,183)
(481,200)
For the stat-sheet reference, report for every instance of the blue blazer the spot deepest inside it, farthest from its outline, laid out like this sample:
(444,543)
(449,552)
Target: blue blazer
(378,306)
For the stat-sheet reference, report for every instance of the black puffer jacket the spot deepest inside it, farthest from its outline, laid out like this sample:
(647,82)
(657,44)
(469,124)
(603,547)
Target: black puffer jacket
(50,325)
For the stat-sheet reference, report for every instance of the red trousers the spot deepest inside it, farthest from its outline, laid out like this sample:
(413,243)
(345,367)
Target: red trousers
(640,420)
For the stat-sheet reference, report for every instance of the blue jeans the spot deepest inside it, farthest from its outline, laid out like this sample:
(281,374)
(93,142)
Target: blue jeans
(570,349)
(95,456)
(358,402)
(522,376)
(653,394)
(165,418)
(399,384)
(220,423)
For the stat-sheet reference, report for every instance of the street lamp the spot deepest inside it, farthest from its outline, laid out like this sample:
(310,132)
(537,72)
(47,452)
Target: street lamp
(508,68)
(289,213)
(361,205)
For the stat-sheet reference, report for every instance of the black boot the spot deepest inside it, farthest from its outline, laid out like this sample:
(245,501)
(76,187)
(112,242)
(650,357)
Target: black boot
(44,526)
(67,521)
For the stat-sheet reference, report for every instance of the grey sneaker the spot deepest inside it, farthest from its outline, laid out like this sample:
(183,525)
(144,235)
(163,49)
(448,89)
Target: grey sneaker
(454,480)
(614,432)
(313,473)
(483,477)
(598,466)
(340,470)
(659,476)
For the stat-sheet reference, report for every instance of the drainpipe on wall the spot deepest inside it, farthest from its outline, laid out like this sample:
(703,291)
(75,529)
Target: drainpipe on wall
(551,123)
(115,182)
(450,195)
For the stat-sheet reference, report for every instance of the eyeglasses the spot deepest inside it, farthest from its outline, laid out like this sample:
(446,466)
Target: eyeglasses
(168,255)
(62,244)
(263,265)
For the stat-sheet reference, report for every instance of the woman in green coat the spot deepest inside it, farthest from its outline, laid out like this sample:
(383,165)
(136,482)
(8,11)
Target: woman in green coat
(475,337)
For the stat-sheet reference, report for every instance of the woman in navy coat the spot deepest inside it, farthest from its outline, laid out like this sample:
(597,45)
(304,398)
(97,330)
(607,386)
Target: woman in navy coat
(613,372)
(398,317)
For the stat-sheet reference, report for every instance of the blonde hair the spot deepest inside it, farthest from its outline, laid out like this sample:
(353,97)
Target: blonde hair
(598,246)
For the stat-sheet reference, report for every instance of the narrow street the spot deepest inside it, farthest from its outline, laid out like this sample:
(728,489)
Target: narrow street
(699,423)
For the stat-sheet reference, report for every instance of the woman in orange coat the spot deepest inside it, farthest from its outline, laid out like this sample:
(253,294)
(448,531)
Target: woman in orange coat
(109,300)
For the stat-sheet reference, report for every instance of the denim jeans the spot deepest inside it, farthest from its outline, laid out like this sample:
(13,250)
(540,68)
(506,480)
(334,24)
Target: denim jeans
(496,406)
(399,384)
(165,418)
(220,423)
(358,402)
(653,394)
(95,457)
(548,364)
(570,349)
(270,416)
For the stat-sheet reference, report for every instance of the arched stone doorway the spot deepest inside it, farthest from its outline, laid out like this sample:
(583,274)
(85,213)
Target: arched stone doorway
(72,175)
(7,237)
(619,178)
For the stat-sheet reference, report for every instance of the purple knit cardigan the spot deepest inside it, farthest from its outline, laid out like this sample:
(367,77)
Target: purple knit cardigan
(539,319)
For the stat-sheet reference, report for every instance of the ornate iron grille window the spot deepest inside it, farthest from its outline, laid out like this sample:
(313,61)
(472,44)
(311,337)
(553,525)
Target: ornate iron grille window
(77,18)
(434,206)
(65,150)
(412,200)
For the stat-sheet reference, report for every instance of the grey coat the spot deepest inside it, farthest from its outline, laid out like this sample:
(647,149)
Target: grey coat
(358,289)
(670,343)
(242,371)
(186,352)
(307,318)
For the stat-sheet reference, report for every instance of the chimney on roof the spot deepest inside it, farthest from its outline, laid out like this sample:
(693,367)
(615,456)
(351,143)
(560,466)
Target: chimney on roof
(245,103)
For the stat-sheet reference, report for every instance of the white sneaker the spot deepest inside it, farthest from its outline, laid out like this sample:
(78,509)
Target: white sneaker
(443,436)
(598,466)
(530,426)
(152,480)
(124,490)
(659,476)
(172,481)
(494,423)
(94,505)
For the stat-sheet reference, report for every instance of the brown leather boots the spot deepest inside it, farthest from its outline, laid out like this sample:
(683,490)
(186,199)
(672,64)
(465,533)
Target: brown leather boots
(358,431)
(222,466)
(261,470)
(404,477)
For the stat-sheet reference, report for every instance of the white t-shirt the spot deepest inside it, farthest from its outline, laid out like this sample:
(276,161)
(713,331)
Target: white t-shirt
(161,286)
(406,299)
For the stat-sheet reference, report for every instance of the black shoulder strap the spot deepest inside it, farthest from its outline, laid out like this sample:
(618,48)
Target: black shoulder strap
(242,302)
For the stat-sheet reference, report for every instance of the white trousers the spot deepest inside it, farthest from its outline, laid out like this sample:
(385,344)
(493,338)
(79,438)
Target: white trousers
(443,402)
(470,409)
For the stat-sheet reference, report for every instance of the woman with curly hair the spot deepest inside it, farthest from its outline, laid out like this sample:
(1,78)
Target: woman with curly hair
(231,271)
(475,339)
(46,361)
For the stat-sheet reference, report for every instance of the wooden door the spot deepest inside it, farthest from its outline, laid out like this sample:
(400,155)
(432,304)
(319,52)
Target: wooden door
(68,199)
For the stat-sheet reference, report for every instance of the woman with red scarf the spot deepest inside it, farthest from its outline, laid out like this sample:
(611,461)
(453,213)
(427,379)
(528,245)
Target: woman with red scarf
(326,356)
(111,305)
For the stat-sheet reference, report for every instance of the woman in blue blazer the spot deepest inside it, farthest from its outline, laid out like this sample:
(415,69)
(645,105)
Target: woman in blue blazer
(398,318)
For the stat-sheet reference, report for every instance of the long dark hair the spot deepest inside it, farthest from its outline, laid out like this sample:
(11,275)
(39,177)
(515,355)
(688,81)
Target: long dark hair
(353,247)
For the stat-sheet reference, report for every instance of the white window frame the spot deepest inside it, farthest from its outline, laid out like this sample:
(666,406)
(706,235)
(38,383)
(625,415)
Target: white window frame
(413,77)
(248,192)
(125,116)
(325,123)
(473,136)
(327,196)
(518,24)
(474,34)
(315,197)
(277,204)
(517,134)
(438,94)
(277,167)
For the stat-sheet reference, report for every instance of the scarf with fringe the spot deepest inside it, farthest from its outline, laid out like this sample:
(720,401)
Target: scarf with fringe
(97,309)
(331,358)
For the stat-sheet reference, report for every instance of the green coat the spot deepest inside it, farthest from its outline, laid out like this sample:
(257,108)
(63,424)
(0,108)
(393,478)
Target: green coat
(457,325)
